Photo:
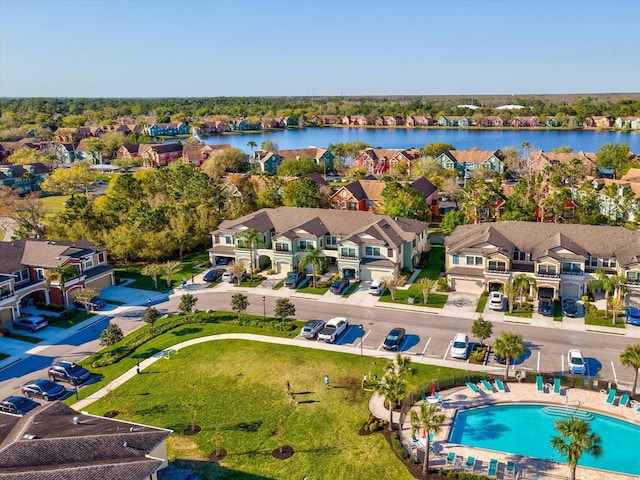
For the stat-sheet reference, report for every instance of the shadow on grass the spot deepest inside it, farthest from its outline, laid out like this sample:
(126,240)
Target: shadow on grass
(186,331)
(246,426)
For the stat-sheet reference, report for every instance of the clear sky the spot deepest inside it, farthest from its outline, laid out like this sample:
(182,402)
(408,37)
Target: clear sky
(193,48)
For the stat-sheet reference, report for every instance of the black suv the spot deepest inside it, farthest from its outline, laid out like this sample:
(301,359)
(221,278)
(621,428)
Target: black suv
(545,306)
(294,279)
(68,372)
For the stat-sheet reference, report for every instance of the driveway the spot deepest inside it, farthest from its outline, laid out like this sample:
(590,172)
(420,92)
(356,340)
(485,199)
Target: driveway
(460,304)
(9,225)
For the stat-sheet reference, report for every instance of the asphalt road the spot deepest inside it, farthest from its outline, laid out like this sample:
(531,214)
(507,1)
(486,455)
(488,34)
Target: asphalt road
(428,335)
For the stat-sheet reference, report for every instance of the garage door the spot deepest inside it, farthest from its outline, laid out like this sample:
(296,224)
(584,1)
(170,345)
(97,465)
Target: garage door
(370,274)
(546,292)
(467,286)
(570,290)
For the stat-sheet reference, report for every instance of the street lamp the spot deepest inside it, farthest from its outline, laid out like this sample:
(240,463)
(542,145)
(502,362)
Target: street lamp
(361,341)
(264,308)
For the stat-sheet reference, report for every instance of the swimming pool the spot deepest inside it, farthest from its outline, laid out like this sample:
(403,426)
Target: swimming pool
(526,429)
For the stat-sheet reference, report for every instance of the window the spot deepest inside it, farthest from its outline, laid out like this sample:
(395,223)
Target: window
(282,247)
(519,256)
(633,276)
(331,240)
(571,267)
(608,262)
(228,239)
(87,262)
(343,205)
(352,206)
(455,259)
(21,275)
(547,270)
(348,252)
(335,205)
(497,265)
(305,244)
(40,273)
(474,261)
(372,251)
(101,257)
(592,262)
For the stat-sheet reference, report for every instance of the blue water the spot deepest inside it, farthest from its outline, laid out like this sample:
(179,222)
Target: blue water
(526,430)
(462,139)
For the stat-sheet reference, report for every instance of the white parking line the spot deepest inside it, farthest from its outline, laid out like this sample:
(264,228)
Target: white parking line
(425,347)
(615,376)
(447,352)
(363,337)
(538,362)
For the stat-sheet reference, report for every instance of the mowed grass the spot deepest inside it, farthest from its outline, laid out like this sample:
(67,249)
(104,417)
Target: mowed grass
(239,390)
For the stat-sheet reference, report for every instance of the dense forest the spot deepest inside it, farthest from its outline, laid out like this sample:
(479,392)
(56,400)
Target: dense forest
(73,112)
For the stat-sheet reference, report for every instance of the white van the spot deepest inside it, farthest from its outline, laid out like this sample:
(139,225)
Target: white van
(459,346)
(376,288)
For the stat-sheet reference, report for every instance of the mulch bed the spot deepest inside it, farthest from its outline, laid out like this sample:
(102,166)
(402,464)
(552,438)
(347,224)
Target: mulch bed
(283,452)
(111,413)
(218,455)
(192,431)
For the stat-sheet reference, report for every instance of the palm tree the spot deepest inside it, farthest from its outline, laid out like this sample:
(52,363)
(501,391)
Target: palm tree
(251,144)
(575,439)
(609,284)
(314,258)
(393,388)
(400,366)
(61,274)
(426,284)
(524,284)
(430,421)
(510,291)
(631,358)
(509,345)
(251,237)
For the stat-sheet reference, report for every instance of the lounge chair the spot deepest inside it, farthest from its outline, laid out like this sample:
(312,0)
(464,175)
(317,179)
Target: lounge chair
(487,386)
(612,396)
(451,457)
(624,400)
(473,387)
(457,463)
(539,384)
(510,470)
(556,386)
(471,464)
(499,385)
(493,468)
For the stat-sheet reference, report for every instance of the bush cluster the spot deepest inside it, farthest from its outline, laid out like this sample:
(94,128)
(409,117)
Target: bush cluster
(273,325)
(398,447)
(374,424)
(460,475)
(442,285)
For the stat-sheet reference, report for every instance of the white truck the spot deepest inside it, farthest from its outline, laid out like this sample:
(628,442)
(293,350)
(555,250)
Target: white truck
(332,329)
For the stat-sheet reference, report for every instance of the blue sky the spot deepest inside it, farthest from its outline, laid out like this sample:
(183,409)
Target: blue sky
(179,48)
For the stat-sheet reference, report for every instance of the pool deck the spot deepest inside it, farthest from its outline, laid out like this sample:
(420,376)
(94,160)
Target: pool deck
(463,397)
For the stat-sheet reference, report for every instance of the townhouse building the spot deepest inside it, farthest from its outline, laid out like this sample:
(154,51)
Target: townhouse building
(466,161)
(378,161)
(25,265)
(23,178)
(562,258)
(360,245)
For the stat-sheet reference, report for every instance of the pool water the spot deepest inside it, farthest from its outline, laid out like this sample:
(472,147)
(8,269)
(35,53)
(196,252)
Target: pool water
(526,429)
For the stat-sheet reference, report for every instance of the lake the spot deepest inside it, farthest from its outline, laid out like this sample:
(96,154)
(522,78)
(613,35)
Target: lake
(461,139)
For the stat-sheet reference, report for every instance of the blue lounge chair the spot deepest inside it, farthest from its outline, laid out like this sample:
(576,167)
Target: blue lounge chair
(499,385)
(487,386)
(451,457)
(539,384)
(473,387)
(556,386)
(493,467)
(612,396)
(471,464)
(624,400)
(511,469)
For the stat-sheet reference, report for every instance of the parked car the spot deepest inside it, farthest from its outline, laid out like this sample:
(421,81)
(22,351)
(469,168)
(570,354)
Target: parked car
(213,275)
(576,362)
(312,328)
(42,388)
(394,339)
(496,300)
(633,316)
(68,372)
(332,329)
(376,288)
(545,306)
(96,303)
(294,279)
(338,286)
(459,346)
(31,324)
(18,405)
(570,308)
(231,278)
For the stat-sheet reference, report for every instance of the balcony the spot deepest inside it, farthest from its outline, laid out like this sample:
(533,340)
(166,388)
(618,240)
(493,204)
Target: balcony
(573,272)
(498,271)
(349,257)
(545,274)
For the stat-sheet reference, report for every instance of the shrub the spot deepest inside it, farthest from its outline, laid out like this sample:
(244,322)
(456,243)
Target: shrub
(398,447)
(442,285)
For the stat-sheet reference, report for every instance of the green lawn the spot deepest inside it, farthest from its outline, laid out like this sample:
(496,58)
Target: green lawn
(435,300)
(24,338)
(436,263)
(599,320)
(54,203)
(481,303)
(557,312)
(525,312)
(238,388)
(79,317)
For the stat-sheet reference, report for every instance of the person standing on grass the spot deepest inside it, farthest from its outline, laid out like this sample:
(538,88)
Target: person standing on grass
(287,387)
(326,381)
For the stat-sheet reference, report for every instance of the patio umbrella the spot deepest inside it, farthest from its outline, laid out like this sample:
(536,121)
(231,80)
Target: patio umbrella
(433,389)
